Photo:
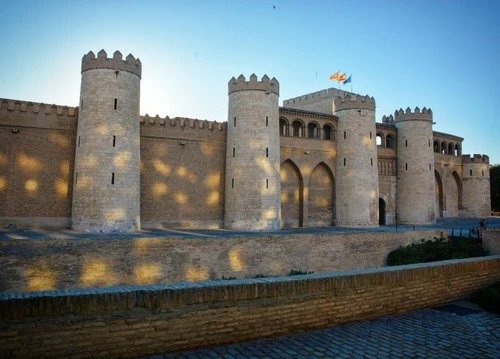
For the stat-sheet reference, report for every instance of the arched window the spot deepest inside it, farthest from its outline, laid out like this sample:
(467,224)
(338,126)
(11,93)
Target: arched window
(328,132)
(389,141)
(312,130)
(458,152)
(380,139)
(283,127)
(443,148)
(450,148)
(436,146)
(297,128)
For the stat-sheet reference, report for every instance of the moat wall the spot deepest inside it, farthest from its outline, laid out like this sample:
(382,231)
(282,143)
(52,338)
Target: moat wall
(138,321)
(34,265)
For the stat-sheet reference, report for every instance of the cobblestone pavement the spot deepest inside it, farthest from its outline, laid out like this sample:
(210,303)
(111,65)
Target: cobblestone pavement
(448,332)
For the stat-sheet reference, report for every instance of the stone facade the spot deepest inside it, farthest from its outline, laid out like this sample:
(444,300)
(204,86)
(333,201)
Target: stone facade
(172,172)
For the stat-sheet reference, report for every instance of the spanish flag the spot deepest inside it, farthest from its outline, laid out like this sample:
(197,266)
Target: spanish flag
(341,78)
(335,76)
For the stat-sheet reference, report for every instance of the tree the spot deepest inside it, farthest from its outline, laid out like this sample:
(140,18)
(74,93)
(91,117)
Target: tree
(495,187)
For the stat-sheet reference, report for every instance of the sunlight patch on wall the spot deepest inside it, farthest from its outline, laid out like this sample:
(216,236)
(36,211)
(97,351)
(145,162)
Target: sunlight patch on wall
(61,187)
(3,159)
(60,140)
(95,273)
(31,186)
(40,276)
(28,164)
(180,198)
(194,274)
(64,167)
(122,159)
(212,180)
(116,214)
(207,149)
(101,130)
(88,162)
(160,189)
(185,173)
(269,214)
(161,167)
(3,183)
(213,198)
(235,260)
(147,273)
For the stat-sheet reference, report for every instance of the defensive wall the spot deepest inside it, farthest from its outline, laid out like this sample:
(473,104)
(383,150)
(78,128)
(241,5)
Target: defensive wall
(138,321)
(34,265)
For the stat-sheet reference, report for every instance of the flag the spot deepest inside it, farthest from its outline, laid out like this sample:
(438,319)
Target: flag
(348,80)
(341,78)
(335,76)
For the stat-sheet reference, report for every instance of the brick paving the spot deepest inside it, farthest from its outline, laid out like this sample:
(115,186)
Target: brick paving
(445,332)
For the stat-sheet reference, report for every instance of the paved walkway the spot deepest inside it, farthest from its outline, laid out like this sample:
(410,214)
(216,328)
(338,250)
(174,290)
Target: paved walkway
(453,331)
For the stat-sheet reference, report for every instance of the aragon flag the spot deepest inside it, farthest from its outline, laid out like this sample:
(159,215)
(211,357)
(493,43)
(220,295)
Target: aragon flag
(335,76)
(341,78)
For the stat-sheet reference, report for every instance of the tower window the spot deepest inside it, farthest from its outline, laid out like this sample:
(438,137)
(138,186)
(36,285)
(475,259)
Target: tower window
(234,119)
(232,182)
(430,167)
(406,166)
(344,161)
(112,178)
(267,151)
(116,103)
(234,151)
(406,143)
(114,141)
(267,121)
(471,172)
(76,178)
(370,135)
(371,161)
(79,140)
(482,172)
(267,183)
(345,135)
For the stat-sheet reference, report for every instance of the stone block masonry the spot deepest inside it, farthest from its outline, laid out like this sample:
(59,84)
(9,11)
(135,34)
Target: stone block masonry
(139,321)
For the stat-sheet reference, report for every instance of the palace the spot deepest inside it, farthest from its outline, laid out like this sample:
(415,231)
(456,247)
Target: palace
(319,160)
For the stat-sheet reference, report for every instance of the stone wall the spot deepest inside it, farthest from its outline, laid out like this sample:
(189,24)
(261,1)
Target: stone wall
(139,321)
(491,241)
(34,265)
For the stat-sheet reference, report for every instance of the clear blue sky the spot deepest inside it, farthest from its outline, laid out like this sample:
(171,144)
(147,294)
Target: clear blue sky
(442,54)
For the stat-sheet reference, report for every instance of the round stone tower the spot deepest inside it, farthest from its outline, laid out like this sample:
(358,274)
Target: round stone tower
(415,196)
(357,169)
(253,190)
(106,195)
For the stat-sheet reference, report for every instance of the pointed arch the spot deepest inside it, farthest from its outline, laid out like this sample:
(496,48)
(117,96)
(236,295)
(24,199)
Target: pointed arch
(321,199)
(454,195)
(292,195)
(439,195)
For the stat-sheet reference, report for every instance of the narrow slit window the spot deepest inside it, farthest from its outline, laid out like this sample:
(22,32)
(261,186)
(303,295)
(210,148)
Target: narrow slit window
(482,172)
(114,141)
(429,143)
(267,121)
(232,182)
(112,178)
(345,161)
(267,183)
(406,143)
(267,151)
(116,103)
(345,135)
(370,135)
(76,178)
(430,167)
(406,166)
(234,119)
(79,141)
(371,162)
(234,151)
(471,172)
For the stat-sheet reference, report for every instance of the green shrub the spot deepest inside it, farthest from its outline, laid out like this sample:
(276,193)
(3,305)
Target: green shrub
(436,250)
(488,298)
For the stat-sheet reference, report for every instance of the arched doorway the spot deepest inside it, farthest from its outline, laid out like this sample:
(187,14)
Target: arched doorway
(292,195)
(381,212)
(321,199)
(439,195)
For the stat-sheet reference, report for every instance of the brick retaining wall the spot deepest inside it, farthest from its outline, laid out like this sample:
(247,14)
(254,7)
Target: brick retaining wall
(139,321)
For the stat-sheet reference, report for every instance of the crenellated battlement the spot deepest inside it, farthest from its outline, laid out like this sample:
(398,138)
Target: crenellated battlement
(388,120)
(354,102)
(130,64)
(36,107)
(476,158)
(407,115)
(266,84)
(183,122)
(318,95)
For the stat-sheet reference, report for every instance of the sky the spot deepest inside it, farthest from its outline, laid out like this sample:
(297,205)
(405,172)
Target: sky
(439,54)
